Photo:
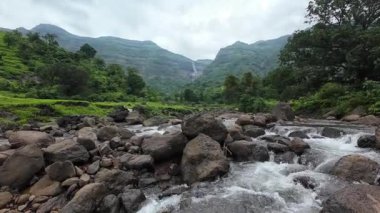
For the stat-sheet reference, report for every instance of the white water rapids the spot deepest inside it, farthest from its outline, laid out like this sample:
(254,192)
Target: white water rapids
(269,186)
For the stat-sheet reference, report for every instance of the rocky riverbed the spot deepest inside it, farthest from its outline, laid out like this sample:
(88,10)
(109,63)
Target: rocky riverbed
(209,162)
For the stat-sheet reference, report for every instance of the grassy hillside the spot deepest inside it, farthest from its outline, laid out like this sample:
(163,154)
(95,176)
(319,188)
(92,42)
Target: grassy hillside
(160,68)
(238,58)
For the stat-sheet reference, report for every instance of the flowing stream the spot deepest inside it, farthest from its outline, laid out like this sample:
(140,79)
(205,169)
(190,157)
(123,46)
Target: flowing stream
(269,186)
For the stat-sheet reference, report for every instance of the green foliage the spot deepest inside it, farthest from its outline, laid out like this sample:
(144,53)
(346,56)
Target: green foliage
(135,83)
(87,51)
(231,89)
(189,96)
(252,104)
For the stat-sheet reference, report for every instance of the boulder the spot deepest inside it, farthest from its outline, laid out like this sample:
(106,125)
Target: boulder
(131,161)
(298,146)
(203,159)
(369,120)
(87,138)
(368,141)
(306,181)
(236,134)
(109,204)
(163,147)
(351,118)
(253,131)
(131,199)
(20,167)
(119,114)
(86,199)
(106,133)
(332,132)
(356,198)
(125,133)
(286,157)
(356,168)
(57,202)
(66,150)
(248,151)
(45,187)
(204,123)
(134,118)
(260,120)
(5,198)
(377,134)
(277,147)
(60,170)
(244,120)
(283,111)
(115,179)
(155,121)
(298,134)
(23,138)
(276,139)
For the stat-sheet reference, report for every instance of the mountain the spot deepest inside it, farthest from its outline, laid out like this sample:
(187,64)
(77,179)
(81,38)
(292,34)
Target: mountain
(160,68)
(259,58)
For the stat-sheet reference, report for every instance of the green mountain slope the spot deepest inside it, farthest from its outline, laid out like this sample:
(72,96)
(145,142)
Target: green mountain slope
(160,68)
(259,58)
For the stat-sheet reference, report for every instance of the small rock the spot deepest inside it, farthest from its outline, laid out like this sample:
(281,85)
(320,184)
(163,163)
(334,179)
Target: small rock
(23,138)
(298,146)
(93,168)
(60,170)
(87,138)
(46,187)
(351,118)
(85,178)
(131,161)
(298,134)
(106,162)
(5,198)
(70,181)
(306,181)
(22,199)
(244,120)
(131,199)
(248,151)
(332,132)
(253,131)
(66,150)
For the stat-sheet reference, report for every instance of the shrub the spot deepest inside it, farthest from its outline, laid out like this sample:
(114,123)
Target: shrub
(252,104)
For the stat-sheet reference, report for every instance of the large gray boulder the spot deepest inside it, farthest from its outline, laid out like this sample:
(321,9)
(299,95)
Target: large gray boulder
(86,199)
(164,147)
(298,146)
(368,141)
(134,118)
(109,204)
(20,167)
(23,138)
(204,123)
(203,159)
(115,179)
(248,151)
(253,131)
(60,170)
(131,161)
(283,111)
(354,198)
(131,199)
(87,138)
(356,168)
(66,150)
(106,133)
(332,132)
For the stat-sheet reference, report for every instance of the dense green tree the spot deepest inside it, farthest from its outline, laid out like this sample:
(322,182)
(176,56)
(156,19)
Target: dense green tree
(189,95)
(87,51)
(12,38)
(231,89)
(135,83)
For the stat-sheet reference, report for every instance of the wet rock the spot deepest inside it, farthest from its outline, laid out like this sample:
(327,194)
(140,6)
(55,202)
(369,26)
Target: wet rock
(175,121)
(351,118)
(356,168)
(155,121)
(109,204)
(253,131)
(66,150)
(237,134)
(332,132)
(354,198)
(286,157)
(260,120)
(204,123)
(248,151)
(86,199)
(125,133)
(298,134)
(5,198)
(131,161)
(275,139)
(23,138)
(60,170)
(116,142)
(87,138)
(369,120)
(163,147)
(283,111)
(306,181)
(93,168)
(115,179)
(298,146)
(368,141)
(20,167)
(119,114)
(134,118)
(165,170)
(277,148)
(377,134)
(312,157)
(244,120)
(131,199)
(203,159)
(106,133)
(105,149)
(144,182)
(176,190)
(45,187)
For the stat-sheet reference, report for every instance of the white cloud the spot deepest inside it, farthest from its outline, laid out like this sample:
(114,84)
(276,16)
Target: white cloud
(196,29)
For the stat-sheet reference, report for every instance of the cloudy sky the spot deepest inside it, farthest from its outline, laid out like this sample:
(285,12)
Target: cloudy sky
(194,28)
